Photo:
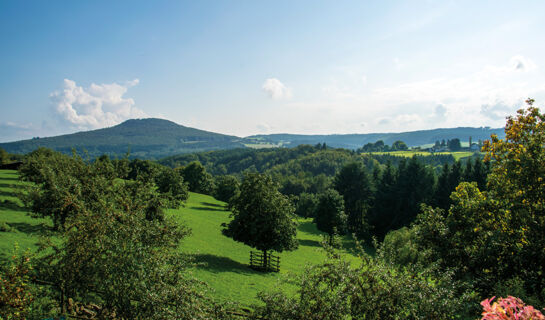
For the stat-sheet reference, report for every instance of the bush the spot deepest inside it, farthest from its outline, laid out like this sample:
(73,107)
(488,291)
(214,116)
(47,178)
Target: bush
(373,290)
(509,308)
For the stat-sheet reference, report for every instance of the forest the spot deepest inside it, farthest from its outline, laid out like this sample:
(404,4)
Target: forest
(430,237)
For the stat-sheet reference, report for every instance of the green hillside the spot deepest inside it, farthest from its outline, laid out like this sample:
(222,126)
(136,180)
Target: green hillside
(223,263)
(146,138)
(226,261)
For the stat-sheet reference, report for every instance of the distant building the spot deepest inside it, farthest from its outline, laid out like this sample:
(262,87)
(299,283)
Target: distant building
(475,147)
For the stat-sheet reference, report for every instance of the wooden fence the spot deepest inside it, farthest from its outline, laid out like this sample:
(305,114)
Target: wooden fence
(256,261)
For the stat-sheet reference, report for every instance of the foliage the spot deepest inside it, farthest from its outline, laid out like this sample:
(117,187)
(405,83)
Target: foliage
(197,178)
(353,183)
(399,145)
(454,144)
(510,308)
(4,156)
(330,217)
(16,294)
(399,248)
(227,188)
(371,290)
(306,205)
(61,185)
(494,239)
(262,216)
(172,187)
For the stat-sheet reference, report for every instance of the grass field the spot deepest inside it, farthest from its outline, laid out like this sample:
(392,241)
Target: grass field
(224,262)
(409,153)
(24,230)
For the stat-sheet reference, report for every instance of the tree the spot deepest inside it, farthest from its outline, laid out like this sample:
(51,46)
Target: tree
(399,145)
(227,188)
(197,178)
(306,205)
(385,205)
(262,217)
(16,294)
(353,183)
(414,186)
(454,144)
(172,187)
(494,240)
(4,156)
(330,216)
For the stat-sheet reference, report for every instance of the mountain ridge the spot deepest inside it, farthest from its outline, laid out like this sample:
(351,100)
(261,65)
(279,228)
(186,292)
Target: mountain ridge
(154,138)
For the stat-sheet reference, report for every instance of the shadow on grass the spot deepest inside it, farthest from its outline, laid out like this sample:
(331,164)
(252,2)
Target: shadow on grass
(10,185)
(8,194)
(12,206)
(213,205)
(34,229)
(218,264)
(207,209)
(309,227)
(10,178)
(310,243)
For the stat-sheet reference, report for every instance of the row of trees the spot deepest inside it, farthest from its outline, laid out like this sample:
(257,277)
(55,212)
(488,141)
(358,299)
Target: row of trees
(379,146)
(388,198)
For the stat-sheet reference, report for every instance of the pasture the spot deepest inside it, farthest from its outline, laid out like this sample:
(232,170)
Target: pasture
(221,262)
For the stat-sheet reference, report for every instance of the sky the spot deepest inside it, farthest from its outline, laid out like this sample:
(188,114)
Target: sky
(261,67)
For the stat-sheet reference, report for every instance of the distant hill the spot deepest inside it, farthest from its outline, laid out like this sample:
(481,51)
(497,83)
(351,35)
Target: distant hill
(354,141)
(146,138)
(158,138)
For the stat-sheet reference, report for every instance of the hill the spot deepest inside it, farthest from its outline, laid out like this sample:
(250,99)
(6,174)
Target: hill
(158,138)
(146,138)
(354,141)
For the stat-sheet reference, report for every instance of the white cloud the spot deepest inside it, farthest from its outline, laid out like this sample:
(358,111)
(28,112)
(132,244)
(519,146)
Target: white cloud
(97,106)
(276,89)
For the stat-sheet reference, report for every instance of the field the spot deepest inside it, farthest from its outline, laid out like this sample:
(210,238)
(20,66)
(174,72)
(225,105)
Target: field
(23,229)
(224,262)
(409,153)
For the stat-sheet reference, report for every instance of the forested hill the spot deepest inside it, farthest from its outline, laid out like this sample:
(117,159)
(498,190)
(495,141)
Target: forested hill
(354,141)
(158,138)
(146,138)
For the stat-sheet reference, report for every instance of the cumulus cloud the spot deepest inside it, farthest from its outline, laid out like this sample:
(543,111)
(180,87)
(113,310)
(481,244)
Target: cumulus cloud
(97,106)
(276,89)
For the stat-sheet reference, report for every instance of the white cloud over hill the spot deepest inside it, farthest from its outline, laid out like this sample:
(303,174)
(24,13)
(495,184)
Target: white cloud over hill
(98,106)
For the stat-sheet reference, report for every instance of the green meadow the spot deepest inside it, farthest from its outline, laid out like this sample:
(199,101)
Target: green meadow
(409,153)
(221,262)
(16,226)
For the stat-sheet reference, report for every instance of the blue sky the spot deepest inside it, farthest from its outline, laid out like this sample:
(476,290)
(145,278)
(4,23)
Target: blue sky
(249,67)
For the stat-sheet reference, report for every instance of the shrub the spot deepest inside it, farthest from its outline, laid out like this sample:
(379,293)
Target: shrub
(509,308)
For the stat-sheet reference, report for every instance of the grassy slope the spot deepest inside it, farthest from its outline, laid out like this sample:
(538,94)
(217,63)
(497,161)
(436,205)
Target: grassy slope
(225,262)
(25,230)
(226,269)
